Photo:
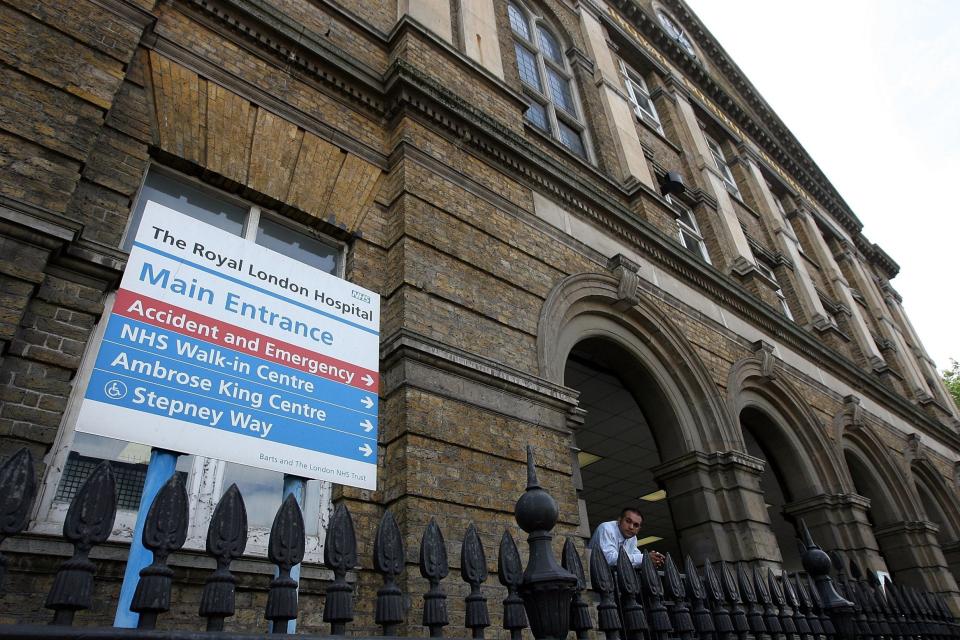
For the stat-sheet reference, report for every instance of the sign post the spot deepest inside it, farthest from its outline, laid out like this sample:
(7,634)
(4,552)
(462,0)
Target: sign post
(220,347)
(162,466)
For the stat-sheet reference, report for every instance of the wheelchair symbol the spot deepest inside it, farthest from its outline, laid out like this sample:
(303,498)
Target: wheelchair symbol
(115,390)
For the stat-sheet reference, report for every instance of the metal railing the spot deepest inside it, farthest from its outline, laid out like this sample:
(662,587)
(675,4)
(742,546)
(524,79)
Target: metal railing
(719,601)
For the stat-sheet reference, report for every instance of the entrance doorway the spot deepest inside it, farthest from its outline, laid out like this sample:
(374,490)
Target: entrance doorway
(760,436)
(625,412)
(881,512)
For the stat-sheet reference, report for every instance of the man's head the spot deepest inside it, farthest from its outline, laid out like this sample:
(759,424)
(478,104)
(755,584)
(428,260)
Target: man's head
(629,522)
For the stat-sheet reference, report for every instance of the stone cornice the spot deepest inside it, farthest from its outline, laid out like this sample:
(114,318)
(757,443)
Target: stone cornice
(908,527)
(881,259)
(412,360)
(262,25)
(62,237)
(829,501)
(407,344)
(708,462)
(129,11)
(769,132)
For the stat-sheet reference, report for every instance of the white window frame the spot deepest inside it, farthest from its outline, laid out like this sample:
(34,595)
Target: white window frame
(556,115)
(636,86)
(768,272)
(205,479)
(685,230)
(723,167)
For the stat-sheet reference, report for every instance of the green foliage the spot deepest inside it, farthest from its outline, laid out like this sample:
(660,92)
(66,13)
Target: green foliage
(951,377)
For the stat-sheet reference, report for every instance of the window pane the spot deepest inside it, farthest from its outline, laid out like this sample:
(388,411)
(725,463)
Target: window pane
(297,245)
(692,244)
(686,218)
(518,22)
(262,492)
(186,198)
(128,459)
(549,46)
(560,91)
(527,66)
(715,149)
(642,101)
(669,25)
(783,304)
(311,508)
(572,140)
(538,116)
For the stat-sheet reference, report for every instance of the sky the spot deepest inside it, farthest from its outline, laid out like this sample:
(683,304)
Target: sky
(871,89)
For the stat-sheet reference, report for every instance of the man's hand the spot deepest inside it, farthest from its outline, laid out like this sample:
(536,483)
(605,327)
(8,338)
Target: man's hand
(658,558)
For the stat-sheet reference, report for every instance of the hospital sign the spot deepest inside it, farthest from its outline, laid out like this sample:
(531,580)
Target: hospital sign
(219,347)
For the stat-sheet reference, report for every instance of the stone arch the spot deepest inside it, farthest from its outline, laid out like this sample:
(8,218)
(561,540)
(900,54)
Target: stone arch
(935,494)
(757,382)
(926,477)
(706,479)
(592,305)
(801,467)
(902,540)
(893,501)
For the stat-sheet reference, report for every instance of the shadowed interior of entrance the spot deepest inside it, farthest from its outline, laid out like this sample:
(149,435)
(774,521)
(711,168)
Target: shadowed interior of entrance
(760,436)
(624,408)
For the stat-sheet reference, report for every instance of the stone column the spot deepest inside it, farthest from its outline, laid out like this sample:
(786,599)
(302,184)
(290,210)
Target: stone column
(787,242)
(951,553)
(914,556)
(861,332)
(900,319)
(616,107)
(889,330)
(431,14)
(839,522)
(480,39)
(737,256)
(718,506)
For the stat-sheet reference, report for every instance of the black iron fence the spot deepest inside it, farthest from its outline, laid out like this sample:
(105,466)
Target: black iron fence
(718,601)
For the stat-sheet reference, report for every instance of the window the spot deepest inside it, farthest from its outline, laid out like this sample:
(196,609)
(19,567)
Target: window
(547,81)
(639,96)
(689,231)
(207,478)
(676,32)
(721,162)
(768,272)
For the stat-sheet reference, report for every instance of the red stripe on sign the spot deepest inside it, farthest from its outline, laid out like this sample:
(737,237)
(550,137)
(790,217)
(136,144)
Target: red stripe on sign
(179,320)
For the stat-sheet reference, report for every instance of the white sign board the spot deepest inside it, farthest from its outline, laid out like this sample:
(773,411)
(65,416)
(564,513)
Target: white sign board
(220,347)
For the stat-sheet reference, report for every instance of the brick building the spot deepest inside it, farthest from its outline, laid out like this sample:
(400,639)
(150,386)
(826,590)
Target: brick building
(589,232)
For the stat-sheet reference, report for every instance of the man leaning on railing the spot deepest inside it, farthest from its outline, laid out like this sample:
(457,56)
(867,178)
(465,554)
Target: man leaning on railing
(622,532)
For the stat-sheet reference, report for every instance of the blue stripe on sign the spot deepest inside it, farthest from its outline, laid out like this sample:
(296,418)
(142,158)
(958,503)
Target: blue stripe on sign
(243,394)
(141,339)
(206,412)
(254,287)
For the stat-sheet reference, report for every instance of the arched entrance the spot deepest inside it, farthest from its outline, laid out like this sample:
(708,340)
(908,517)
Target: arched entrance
(898,536)
(939,507)
(800,473)
(882,514)
(757,429)
(618,448)
(595,325)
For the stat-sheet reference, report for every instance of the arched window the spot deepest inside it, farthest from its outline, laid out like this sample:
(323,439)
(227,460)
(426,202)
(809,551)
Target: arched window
(547,81)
